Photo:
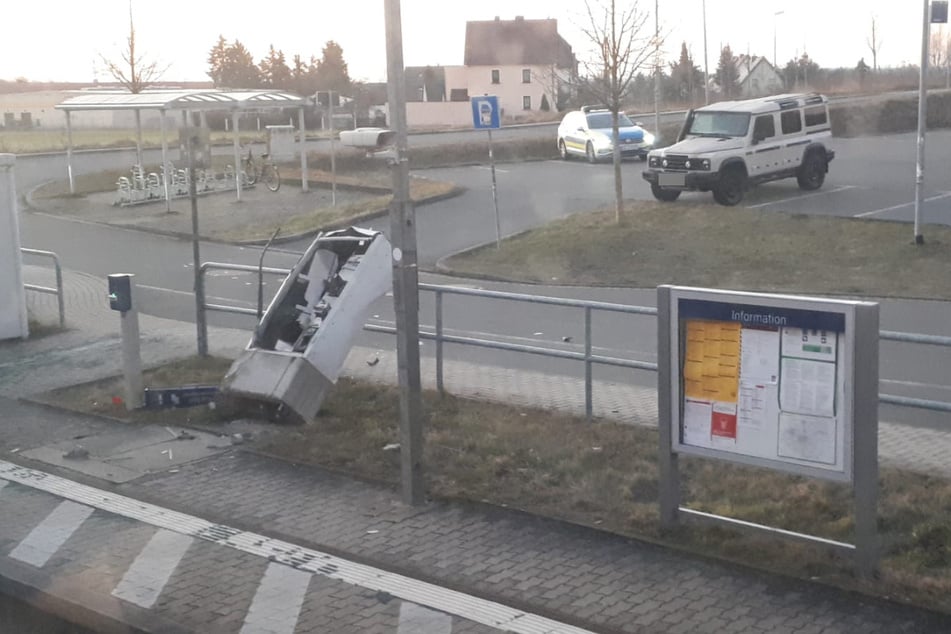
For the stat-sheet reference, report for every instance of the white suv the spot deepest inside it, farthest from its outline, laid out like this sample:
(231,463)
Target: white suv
(729,146)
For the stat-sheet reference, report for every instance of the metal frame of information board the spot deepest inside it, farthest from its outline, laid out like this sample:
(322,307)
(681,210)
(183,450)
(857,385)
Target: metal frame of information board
(852,417)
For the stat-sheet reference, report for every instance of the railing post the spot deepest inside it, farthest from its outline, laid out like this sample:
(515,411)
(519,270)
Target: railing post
(439,384)
(588,390)
(59,290)
(202,322)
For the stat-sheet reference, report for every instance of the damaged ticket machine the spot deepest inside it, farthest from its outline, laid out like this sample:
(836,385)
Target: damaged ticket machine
(306,333)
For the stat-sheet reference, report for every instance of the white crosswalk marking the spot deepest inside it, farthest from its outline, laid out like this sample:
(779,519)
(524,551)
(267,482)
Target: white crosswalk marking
(143,581)
(416,619)
(448,601)
(277,602)
(47,536)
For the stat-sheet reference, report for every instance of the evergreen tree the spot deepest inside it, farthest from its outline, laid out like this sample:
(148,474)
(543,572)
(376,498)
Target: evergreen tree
(685,77)
(332,71)
(274,70)
(727,75)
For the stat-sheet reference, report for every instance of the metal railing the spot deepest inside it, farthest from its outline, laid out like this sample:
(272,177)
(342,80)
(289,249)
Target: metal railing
(587,357)
(58,291)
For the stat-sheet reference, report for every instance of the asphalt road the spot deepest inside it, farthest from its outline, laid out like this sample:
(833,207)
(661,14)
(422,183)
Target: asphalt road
(870,177)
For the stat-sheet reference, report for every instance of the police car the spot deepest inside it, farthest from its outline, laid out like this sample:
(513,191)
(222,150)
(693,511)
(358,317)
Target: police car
(587,132)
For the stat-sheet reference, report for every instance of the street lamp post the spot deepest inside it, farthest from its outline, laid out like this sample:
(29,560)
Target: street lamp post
(775,14)
(706,67)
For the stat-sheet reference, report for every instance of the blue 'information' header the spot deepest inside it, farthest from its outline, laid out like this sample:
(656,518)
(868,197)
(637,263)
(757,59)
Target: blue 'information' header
(761,316)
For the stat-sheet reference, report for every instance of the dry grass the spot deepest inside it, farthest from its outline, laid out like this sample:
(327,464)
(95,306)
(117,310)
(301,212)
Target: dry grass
(723,247)
(600,474)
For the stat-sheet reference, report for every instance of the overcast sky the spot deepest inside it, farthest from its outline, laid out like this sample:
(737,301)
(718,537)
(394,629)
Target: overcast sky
(59,40)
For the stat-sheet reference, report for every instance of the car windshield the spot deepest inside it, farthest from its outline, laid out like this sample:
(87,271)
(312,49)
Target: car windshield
(602,120)
(720,123)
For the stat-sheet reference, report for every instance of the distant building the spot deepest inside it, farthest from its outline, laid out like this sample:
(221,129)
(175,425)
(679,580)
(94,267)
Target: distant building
(525,63)
(756,77)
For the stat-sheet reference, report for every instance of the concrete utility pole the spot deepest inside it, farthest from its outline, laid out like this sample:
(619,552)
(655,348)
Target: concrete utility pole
(922,121)
(405,272)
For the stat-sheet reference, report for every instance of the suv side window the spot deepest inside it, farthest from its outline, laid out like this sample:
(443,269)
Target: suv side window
(764,127)
(815,115)
(791,121)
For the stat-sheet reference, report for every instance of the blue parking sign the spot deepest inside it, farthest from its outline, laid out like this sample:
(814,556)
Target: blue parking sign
(485,112)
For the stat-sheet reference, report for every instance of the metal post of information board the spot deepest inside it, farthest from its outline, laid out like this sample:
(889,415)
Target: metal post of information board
(495,197)
(865,439)
(668,460)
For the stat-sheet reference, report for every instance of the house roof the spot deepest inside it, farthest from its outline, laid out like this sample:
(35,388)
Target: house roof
(516,42)
(181,100)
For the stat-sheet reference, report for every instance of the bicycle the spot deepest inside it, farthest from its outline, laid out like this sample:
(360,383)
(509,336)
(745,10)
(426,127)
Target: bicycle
(263,170)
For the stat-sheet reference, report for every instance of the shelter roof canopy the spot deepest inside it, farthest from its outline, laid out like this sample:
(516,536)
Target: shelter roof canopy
(183,100)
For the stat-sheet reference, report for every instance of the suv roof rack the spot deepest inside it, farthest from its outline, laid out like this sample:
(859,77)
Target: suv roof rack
(587,109)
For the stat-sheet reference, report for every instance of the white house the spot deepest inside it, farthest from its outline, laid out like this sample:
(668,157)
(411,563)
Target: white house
(756,77)
(525,63)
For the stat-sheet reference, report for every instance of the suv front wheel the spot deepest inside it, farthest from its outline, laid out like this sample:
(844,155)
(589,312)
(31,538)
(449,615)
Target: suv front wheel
(729,191)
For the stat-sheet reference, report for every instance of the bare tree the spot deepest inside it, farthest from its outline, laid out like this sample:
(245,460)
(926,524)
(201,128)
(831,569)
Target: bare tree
(874,44)
(621,48)
(940,53)
(134,72)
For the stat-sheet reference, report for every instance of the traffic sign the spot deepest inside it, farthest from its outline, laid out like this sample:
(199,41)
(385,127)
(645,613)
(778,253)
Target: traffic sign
(485,112)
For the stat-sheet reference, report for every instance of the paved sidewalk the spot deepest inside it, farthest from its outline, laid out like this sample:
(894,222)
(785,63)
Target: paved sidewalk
(228,510)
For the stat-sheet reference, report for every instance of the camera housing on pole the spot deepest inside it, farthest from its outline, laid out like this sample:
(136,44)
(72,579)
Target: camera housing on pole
(376,141)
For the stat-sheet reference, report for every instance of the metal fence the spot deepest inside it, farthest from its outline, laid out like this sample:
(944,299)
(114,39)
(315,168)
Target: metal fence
(587,357)
(58,291)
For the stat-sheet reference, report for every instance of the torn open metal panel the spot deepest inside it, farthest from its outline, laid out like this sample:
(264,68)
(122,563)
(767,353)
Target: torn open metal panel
(306,333)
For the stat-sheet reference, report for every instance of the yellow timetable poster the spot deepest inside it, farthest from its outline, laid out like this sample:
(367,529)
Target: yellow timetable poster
(712,361)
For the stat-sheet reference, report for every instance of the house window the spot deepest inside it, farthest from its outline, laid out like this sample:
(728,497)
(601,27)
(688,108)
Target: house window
(496,79)
(526,75)
(526,103)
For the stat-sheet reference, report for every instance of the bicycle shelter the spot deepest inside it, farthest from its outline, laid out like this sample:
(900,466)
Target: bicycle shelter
(187,101)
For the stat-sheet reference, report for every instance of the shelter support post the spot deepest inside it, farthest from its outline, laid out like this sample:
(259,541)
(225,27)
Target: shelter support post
(302,144)
(165,172)
(69,154)
(667,460)
(138,139)
(236,142)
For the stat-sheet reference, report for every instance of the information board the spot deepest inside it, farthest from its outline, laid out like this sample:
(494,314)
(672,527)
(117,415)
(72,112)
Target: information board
(763,379)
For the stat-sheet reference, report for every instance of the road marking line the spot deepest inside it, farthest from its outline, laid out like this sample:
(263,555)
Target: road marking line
(804,196)
(430,595)
(49,535)
(415,619)
(142,583)
(192,294)
(483,167)
(277,602)
(894,207)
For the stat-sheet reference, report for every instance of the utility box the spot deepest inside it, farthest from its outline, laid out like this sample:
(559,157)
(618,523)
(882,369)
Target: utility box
(120,292)
(281,140)
(13,317)
(306,333)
